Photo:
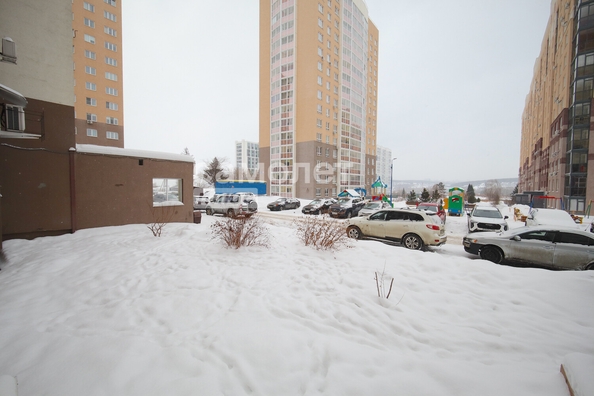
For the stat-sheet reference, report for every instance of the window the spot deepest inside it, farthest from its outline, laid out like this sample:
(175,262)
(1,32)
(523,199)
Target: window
(320,95)
(320,8)
(319,124)
(318,192)
(110,31)
(91,117)
(111,120)
(15,118)
(90,54)
(111,76)
(111,46)
(319,151)
(110,2)
(88,7)
(89,39)
(90,70)
(110,16)
(167,191)
(92,101)
(111,61)
(111,91)
(112,135)
(91,86)
(91,132)
(90,23)
(111,105)
(320,38)
(320,23)
(319,137)
(319,80)
(320,109)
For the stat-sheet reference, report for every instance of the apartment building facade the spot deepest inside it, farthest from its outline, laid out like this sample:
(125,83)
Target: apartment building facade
(50,183)
(318,96)
(556,149)
(247,159)
(98,72)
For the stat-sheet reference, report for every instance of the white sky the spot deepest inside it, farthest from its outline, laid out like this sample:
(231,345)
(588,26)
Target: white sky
(116,311)
(453,78)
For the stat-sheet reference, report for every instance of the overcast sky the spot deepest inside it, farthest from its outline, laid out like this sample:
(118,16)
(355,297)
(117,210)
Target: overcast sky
(453,78)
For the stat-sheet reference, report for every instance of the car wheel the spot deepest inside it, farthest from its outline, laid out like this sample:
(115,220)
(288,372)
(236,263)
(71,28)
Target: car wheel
(412,241)
(493,254)
(209,211)
(349,214)
(589,267)
(230,213)
(354,232)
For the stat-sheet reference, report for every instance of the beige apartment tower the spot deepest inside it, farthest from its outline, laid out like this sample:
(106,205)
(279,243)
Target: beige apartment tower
(318,96)
(98,73)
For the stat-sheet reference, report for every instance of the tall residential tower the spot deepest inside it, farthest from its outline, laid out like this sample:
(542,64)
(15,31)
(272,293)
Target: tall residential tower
(318,96)
(98,73)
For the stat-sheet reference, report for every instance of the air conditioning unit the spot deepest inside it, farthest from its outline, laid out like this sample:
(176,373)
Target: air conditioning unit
(89,121)
(8,50)
(15,118)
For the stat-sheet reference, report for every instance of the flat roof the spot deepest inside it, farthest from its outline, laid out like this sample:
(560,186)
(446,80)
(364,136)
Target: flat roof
(124,152)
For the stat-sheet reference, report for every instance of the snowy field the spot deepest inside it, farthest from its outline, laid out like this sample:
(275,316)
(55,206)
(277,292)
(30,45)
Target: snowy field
(117,311)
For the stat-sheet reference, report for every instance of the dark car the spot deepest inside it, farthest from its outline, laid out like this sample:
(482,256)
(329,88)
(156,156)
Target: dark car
(346,207)
(318,206)
(284,204)
(548,246)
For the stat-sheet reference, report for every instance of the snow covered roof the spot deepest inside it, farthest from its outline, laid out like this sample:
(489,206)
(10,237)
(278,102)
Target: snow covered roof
(94,149)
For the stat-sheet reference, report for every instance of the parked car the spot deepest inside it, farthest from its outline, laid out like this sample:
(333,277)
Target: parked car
(541,216)
(200,202)
(284,204)
(486,218)
(414,229)
(548,246)
(433,207)
(372,207)
(318,206)
(233,205)
(346,207)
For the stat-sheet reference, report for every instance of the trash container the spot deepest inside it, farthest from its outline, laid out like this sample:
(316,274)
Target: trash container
(197,217)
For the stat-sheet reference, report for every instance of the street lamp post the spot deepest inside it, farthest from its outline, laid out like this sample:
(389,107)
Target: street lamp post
(391,177)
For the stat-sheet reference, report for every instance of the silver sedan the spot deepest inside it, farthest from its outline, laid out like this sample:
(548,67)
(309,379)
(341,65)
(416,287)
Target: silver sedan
(554,247)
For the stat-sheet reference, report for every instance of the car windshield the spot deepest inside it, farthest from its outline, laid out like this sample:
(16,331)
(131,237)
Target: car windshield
(279,200)
(344,200)
(491,214)
(428,207)
(316,202)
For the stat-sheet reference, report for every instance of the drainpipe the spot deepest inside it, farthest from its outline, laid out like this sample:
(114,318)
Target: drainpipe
(71,154)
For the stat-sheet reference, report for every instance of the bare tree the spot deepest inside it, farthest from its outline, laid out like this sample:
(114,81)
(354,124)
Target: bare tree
(493,191)
(214,171)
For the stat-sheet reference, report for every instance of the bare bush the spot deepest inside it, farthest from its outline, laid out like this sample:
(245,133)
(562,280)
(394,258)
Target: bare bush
(380,284)
(237,232)
(321,233)
(162,215)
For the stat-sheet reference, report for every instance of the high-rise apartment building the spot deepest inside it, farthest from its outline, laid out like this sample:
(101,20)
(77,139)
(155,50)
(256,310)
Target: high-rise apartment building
(384,164)
(318,96)
(247,158)
(98,72)
(556,123)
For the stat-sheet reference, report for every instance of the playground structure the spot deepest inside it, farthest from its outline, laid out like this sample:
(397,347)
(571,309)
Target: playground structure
(455,201)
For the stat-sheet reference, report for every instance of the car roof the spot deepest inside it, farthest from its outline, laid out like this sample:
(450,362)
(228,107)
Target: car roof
(552,227)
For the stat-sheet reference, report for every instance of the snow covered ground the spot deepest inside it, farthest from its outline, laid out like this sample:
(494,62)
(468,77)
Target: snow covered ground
(116,311)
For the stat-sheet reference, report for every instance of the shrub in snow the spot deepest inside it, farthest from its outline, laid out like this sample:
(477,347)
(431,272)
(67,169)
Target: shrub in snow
(380,284)
(321,233)
(162,215)
(237,232)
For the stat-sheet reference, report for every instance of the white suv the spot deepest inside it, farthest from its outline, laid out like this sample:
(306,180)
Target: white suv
(486,218)
(413,228)
(233,205)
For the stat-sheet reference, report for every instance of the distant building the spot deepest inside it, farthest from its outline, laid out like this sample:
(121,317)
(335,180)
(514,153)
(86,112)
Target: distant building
(555,143)
(318,96)
(247,158)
